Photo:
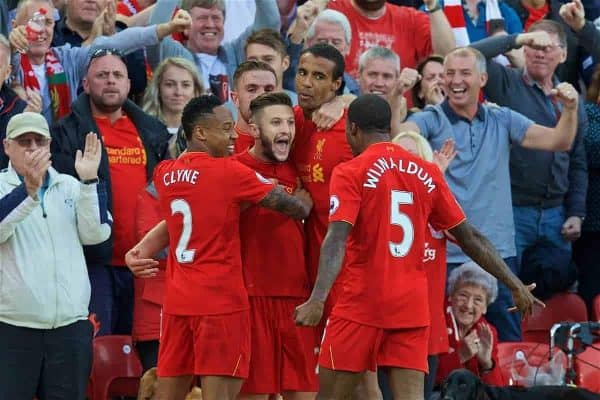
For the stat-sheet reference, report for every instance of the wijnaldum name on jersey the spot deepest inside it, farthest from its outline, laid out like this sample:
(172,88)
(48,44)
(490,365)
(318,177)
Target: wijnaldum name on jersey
(385,164)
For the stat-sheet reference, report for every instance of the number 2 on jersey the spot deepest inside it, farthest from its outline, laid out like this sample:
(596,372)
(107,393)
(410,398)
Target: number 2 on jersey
(182,253)
(402,220)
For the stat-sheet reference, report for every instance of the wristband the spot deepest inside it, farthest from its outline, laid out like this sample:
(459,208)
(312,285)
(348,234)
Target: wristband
(90,181)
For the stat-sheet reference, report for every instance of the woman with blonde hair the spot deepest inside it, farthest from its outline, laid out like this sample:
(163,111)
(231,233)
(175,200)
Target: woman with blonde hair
(174,83)
(434,258)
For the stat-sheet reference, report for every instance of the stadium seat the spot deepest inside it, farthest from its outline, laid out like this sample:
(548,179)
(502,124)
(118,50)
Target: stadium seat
(116,369)
(587,365)
(596,309)
(561,307)
(536,355)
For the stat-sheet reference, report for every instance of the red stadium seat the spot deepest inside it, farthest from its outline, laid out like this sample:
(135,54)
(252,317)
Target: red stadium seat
(116,369)
(587,365)
(561,307)
(536,355)
(596,309)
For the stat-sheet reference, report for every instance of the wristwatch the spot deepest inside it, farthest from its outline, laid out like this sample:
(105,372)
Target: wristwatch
(90,181)
(434,9)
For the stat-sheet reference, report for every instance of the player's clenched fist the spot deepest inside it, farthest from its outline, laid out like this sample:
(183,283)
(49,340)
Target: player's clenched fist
(141,267)
(309,313)
(566,94)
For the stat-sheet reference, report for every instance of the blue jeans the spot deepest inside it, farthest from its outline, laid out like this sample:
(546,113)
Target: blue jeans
(508,324)
(112,298)
(534,225)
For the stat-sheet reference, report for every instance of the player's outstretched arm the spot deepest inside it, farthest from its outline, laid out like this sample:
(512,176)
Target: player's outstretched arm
(333,250)
(297,206)
(139,260)
(481,250)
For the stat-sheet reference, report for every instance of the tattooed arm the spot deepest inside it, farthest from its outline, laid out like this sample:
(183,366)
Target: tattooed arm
(481,250)
(330,264)
(297,206)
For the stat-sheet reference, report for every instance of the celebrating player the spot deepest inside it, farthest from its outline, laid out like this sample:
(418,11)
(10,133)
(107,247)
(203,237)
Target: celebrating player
(205,320)
(380,204)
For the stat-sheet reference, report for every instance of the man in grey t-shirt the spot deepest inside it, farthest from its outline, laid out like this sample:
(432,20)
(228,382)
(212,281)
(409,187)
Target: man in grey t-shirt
(479,175)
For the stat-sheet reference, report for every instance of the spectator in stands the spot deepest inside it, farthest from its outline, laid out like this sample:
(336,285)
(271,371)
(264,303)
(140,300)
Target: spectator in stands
(46,217)
(473,341)
(174,83)
(216,61)
(379,73)
(532,11)
(586,250)
(476,19)
(57,71)
(547,206)
(429,89)
(329,26)
(82,22)
(479,176)
(266,45)
(10,103)
(411,34)
(134,142)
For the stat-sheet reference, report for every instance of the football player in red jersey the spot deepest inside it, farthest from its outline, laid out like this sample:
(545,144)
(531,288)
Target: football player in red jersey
(250,80)
(381,202)
(283,358)
(205,320)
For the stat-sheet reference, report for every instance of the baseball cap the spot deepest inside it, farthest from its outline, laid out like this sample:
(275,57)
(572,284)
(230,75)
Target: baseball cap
(27,122)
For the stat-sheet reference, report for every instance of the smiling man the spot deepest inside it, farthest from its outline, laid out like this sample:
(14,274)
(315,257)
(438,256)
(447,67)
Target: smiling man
(479,176)
(204,45)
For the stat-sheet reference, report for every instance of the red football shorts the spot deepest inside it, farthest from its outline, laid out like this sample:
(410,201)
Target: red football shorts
(284,356)
(350,346)
(205,345)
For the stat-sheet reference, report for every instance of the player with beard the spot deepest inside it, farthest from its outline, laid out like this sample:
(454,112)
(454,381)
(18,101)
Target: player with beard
(250,80)
(283,358)
(205,321)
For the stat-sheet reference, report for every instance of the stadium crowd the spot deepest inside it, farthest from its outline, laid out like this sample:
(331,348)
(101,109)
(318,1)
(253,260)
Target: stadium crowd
(323,199)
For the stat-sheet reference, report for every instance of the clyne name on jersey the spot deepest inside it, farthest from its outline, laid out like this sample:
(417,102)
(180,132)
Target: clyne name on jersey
(181,175)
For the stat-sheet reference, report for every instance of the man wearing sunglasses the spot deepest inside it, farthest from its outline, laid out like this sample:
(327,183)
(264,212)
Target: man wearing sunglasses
(45,219)
(134,142)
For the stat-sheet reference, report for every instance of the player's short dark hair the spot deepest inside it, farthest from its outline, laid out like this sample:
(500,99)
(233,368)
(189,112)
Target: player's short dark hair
(267,37)
(197,108)
(371,114)
(269,99)
(251,65)
(327,51)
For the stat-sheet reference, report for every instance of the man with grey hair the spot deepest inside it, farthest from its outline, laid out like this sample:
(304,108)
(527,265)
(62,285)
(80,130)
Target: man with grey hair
(379,73)
(216,61)
(10,103)
(479,175)
(548,207)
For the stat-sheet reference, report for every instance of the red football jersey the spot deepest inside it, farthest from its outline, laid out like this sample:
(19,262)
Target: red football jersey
(200,198)
(434,262)
(315,154)
(405,30)
(243,142)
(272,243)
(388,195)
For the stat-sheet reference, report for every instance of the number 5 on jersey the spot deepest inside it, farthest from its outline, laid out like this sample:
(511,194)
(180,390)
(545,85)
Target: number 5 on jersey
(182,253)
(402,220)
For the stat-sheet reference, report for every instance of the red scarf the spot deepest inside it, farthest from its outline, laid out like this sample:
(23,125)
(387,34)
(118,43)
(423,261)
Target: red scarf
(60,95)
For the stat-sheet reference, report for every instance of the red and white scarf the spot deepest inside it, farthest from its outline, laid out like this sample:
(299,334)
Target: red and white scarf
(456,17)
(58,87)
